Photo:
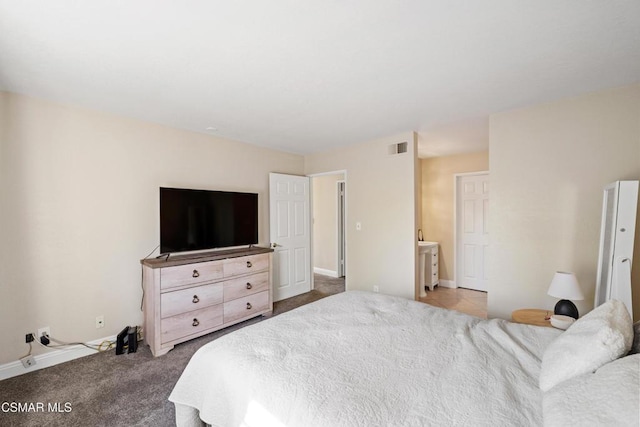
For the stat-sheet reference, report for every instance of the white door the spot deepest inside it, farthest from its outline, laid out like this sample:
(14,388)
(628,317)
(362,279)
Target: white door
(472,233)
(290,234)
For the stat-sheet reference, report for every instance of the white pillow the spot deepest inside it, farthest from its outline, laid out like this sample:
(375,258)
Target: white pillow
(603,335)
(608,397)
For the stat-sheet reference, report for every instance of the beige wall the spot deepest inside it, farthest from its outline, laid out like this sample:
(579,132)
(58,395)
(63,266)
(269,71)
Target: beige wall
(79,209)
(438,203)
(549,164)
(381,196)
(325,221)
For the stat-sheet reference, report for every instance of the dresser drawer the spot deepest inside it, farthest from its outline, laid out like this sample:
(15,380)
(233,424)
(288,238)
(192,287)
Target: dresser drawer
(434,276)
(246,285)
(193,322)
(194,298)
(171,277)
(246,306)
(245,265)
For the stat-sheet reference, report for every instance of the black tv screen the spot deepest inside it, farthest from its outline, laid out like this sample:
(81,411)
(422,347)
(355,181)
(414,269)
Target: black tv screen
(192,220)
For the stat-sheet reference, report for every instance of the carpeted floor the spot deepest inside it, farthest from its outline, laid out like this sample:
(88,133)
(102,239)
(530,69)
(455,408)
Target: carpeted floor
(131,389)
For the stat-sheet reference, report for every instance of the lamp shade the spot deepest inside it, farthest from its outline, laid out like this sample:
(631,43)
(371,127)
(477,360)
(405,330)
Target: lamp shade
(565,286)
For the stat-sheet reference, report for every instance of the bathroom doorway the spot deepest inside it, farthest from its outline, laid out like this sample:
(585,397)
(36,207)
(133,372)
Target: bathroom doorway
(328,200)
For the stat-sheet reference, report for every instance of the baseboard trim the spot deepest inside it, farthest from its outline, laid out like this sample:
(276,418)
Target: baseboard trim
(325,272)
(447,284)
(52,358)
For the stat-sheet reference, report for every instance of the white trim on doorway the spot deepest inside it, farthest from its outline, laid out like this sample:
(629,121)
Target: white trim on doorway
(456,178)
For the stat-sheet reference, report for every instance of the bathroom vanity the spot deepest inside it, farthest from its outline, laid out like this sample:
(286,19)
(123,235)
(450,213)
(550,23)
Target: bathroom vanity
(428,252)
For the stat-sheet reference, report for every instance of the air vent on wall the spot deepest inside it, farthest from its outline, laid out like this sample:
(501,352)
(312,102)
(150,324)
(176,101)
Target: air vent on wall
(399,148)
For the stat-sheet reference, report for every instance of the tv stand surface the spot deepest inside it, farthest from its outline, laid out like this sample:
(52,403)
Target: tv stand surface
(203,256)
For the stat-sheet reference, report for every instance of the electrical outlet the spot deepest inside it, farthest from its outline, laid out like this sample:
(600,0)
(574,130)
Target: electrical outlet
(376,289)
(99,322)
(28,361)
(28,337)
(44,331)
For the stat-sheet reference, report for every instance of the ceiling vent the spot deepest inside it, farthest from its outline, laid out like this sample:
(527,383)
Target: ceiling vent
(399,148)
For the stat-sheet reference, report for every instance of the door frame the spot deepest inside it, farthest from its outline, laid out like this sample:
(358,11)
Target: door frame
(456,180)
(346,215)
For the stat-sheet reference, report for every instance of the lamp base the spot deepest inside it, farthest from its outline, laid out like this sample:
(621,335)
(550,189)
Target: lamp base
(566,308)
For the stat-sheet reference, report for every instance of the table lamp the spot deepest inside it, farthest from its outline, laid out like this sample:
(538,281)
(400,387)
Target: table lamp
(565,286)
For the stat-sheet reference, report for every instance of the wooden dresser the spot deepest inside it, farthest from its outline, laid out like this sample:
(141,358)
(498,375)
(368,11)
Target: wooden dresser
(189,296)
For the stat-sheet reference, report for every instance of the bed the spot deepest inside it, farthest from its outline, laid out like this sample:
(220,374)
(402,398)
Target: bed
(365,359)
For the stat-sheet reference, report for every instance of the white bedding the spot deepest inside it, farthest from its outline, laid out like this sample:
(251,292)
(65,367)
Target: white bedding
(364,359)
(610,396)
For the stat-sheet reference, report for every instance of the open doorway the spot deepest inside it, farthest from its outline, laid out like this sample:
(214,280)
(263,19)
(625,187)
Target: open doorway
(328,200)
(445,208)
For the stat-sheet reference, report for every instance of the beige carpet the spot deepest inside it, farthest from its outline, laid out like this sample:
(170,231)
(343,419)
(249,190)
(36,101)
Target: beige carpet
(131,389)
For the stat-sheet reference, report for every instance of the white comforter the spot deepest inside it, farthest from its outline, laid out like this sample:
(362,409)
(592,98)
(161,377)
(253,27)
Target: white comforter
(364,359)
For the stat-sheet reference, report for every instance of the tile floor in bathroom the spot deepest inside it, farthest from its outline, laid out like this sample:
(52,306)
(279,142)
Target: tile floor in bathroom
(460,299)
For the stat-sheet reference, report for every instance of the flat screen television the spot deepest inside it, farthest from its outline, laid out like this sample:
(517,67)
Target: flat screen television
(192,220)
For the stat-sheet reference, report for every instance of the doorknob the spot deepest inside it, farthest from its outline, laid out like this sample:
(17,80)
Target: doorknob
(275,245)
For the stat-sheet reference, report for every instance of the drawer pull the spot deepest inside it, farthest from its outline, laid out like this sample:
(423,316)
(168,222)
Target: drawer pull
(435,265)
(435,274)
(248,306)
(249,265)
(249,285)
(196,322)
(195,299)
(195,273)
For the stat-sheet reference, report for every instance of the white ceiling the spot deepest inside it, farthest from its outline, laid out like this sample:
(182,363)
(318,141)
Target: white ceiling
(306,76)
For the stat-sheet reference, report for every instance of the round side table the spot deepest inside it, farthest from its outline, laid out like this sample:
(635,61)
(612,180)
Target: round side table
(532,316)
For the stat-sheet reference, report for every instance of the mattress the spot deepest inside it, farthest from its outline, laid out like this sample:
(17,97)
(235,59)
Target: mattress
(365,359)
